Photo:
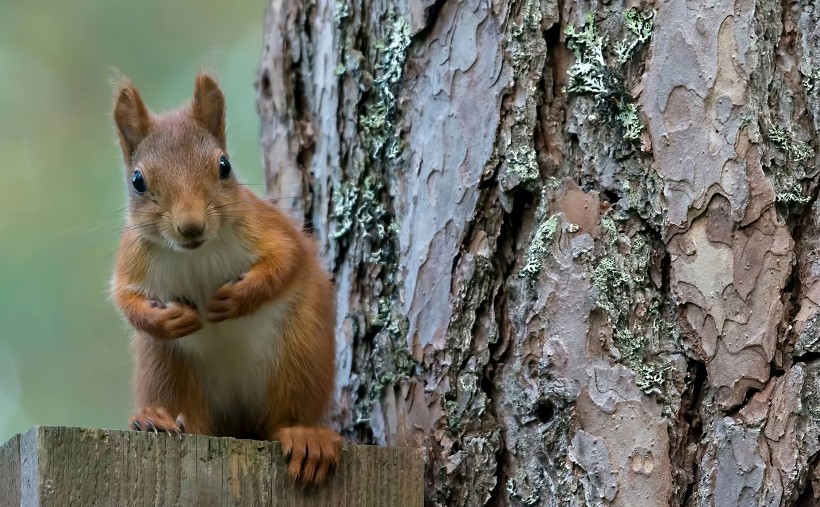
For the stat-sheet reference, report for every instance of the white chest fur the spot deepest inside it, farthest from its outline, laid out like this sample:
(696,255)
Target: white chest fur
(232,358)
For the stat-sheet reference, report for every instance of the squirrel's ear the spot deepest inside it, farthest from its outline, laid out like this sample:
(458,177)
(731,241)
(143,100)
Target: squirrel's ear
(131,117)
(208,107)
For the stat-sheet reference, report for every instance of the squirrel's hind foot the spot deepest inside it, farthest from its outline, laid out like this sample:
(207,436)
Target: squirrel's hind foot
(157,419)
(313,452)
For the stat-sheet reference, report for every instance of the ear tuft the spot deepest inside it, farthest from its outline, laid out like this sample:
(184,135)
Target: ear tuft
(131,117)
(208,107)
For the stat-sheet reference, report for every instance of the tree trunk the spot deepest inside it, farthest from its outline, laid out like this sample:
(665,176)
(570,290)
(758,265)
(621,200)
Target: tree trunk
(573,242)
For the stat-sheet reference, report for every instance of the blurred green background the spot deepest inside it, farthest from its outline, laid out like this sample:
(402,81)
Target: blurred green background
(64,350)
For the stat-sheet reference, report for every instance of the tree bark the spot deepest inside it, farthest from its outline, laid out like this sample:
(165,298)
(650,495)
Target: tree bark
(573,242)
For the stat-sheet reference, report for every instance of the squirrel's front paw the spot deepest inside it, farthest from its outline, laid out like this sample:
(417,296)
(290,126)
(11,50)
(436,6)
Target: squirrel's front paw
(176,320)
(230,302)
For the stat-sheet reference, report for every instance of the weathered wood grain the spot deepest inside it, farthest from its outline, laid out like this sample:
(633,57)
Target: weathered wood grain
(10,472)
(59,466)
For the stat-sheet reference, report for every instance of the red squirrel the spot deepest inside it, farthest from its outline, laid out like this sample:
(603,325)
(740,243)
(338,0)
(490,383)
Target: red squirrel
(233,314)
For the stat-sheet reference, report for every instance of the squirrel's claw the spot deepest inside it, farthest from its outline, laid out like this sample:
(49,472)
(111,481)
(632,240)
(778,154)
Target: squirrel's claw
(154,419)
(312,453)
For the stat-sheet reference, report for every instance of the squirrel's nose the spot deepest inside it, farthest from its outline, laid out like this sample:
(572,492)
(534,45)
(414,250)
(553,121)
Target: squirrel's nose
(191,229)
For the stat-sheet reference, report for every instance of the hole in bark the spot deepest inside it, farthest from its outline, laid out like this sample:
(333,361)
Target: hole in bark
(698,390)
(545,411)
(806,498)
(431,13)
(609,195)
(750,392)
(690,417)
(808,357)
(265,82)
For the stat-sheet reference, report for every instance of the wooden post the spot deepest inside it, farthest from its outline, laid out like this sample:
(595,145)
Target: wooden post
(58,466)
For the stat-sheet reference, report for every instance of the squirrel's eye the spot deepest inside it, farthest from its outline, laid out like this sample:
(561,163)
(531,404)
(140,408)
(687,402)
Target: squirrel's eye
(224,167)
(138,182)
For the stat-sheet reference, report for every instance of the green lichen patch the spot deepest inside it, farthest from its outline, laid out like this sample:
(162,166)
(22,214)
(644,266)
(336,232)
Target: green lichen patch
(790,159)
(613,287)
(530,18)
(640,189)
(393,54)
(553,183)
(371,212)
(624,291)
(528,51)
(796,150)
(629,120)
(810,80)
(792,195)
(360,207)
(344,204)
(522,162)
(639,27)
(541,243)
(465,401)
(520,489)
(392,363)
(377,127)
(341,12)
(538,250)
(383,356)
(386,318)
(359,211)
(595,74)
(608,225)
(589,74)
(650,378)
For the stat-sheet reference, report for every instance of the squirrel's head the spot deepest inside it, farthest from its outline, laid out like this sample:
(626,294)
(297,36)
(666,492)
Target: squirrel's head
(181,189)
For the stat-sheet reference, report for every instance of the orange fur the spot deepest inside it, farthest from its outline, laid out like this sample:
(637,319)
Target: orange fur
(131,117)
(200,306)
